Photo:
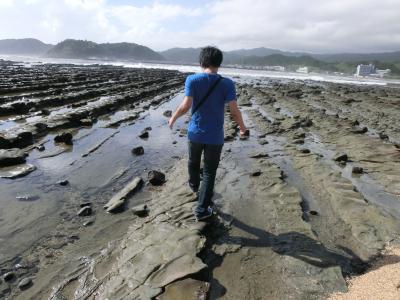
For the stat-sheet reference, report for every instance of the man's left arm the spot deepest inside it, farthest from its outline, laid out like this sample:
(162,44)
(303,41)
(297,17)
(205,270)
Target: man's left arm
(182,109)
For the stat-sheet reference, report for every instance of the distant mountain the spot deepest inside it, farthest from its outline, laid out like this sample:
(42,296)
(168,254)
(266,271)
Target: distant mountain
(348,57)
(182,55)
(23,47)
(191,56)
(262,51)
(340,62)
(283,60)
(90,50)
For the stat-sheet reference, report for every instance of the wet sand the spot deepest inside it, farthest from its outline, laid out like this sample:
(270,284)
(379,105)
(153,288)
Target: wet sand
(308,202)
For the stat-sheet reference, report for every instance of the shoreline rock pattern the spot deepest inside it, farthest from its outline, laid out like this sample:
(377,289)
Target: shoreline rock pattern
(98,106)
(158,250)
(66,97)
(292,222)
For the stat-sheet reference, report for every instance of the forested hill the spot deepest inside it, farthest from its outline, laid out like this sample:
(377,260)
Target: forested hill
(23,47)
(90,50)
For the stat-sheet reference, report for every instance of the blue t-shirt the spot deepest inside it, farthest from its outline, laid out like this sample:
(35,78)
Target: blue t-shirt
(207,123)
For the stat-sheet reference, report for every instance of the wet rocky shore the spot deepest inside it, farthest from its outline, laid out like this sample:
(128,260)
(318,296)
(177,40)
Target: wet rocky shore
(310,199)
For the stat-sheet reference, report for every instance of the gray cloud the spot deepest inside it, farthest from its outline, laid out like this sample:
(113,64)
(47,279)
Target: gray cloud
(311,25)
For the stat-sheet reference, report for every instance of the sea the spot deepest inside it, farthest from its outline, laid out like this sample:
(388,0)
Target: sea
(319,77)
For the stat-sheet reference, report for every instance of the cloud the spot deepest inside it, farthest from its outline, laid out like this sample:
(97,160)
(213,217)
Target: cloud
(314,25)
(311,25)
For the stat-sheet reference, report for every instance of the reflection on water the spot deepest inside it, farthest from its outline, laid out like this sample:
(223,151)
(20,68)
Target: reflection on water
(94,178)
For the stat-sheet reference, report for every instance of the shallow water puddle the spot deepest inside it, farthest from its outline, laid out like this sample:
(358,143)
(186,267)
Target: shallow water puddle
(276,149)
(90,178)
(371,190)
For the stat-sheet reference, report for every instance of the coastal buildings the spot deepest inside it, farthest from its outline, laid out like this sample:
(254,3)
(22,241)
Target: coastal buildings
(302,70)
(371,70)
(382,73)
(365,70)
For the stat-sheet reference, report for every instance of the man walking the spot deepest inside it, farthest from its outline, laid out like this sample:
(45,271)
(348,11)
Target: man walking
(206,94)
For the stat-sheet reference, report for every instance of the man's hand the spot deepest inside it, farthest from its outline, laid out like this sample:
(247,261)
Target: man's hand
(244,132)
(182,109)
(171,122)
(237,117)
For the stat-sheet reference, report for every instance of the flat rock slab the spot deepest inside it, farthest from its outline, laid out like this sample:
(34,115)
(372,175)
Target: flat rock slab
(10,157)
(159,249)
(187,289)
(258,155)
(175,269)
(119,199)
(16,171)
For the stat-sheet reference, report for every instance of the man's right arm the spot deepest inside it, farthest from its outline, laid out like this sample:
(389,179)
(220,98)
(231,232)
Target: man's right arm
(237,116)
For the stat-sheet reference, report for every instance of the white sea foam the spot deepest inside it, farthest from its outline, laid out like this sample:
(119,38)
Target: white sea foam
(224,71)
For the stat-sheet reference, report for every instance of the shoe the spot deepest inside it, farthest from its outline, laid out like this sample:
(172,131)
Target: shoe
(193,188)
(205,215)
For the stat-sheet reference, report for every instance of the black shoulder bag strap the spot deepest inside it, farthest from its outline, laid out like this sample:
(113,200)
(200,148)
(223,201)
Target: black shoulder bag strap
(210,90)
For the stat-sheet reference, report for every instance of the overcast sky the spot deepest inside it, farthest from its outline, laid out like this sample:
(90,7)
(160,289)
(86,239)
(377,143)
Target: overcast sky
(309,25)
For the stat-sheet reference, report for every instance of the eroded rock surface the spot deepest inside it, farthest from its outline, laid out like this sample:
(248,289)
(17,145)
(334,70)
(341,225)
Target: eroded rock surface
(157,250)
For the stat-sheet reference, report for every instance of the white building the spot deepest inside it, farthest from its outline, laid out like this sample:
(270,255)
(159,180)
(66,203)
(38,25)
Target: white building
(302,70)
(274,68)
(365,70)
(382,73)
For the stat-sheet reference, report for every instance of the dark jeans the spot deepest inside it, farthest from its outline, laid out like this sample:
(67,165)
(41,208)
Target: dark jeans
(212,154)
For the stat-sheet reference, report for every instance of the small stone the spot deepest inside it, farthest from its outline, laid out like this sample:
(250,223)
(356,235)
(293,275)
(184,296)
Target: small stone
(258,155)
(25,283)
(65,137)
(148,128)
(341,157)
(40,148)
(256,173)
(305,151)
(299,135)
(140,210)
(360,130)
(298,142)
(9,157)
(167,113)
(86,122)
(306,123)
(357,170)
(263,142)
(174,142)
(183,131)
(144,134)
(88,223)
(138,150)
(383,136)
(156,177)
(63,182)
(85,211)
(9,276)
(313,212)
(41,127)
(45,112)
(27,198)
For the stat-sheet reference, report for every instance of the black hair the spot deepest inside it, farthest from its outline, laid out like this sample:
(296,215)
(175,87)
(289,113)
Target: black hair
(210,57)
